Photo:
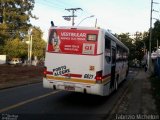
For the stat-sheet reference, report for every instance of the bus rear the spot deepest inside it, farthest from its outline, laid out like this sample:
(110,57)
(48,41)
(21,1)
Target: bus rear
(73,60)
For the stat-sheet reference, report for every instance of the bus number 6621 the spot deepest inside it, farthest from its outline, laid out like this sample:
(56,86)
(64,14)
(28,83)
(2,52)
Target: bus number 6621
(88,76)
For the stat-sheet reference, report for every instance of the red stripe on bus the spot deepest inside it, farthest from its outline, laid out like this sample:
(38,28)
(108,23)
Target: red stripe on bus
(73,75)
(49,72)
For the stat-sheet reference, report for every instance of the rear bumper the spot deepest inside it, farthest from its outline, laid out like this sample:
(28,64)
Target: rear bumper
(96,89)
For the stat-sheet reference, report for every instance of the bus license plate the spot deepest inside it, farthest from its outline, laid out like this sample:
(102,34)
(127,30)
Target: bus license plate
(70,88)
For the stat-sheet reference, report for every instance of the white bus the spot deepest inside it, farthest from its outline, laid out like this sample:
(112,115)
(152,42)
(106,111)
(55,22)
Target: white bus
(84,59)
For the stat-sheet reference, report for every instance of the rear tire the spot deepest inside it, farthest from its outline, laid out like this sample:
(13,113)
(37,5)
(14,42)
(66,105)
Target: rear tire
(116,85)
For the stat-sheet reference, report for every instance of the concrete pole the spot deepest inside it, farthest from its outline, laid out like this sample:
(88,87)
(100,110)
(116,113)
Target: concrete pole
(28,48)
(150,39)
(31,50)
(73,18)
(96,23)
(157,44)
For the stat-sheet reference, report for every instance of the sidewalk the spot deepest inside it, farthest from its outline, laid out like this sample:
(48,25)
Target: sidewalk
(139,98)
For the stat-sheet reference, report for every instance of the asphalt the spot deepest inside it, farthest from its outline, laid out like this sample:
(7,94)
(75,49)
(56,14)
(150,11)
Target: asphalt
(33,100)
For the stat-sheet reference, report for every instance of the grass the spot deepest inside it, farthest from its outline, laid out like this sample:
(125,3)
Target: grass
(155,82)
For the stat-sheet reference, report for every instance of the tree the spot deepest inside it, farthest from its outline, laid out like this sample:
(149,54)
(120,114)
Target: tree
(16,15)
(140,45)
(19,49)
(39,45)
(155,37)
(15,48)
(128,41)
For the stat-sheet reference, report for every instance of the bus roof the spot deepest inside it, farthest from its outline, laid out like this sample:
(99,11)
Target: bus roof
(74,27)
(110,35)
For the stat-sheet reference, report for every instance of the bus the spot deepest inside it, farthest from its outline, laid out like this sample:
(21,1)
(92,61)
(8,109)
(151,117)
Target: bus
(84,59)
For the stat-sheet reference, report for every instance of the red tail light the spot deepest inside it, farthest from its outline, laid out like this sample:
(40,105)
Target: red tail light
(99,76)
(45,71)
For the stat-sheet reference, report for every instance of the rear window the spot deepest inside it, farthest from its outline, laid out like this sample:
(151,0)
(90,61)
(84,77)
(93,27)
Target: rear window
(91,37)
(72,41)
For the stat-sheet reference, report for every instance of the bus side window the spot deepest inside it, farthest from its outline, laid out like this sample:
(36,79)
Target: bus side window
(118,54)
(107,49)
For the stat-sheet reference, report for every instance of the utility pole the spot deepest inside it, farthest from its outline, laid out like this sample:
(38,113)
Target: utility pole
(71,16)
(30,46)
(150,39)
(96,23)
(157,44)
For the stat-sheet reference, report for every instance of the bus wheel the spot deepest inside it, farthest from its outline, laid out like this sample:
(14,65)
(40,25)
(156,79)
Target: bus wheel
(116,85)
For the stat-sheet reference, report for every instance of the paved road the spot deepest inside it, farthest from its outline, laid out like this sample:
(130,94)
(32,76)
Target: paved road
(33,101)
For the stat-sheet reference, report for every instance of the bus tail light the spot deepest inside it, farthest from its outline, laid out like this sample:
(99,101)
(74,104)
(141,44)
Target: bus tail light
(98,77)
(45,72)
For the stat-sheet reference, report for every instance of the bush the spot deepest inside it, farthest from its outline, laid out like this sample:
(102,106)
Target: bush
(155,82)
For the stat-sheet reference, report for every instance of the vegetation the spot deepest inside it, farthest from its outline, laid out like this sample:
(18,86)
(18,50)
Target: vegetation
(155,82)
(138,43)
(14,28)
(155,36)
(135,44)
(39,44)
(15,48)
(18,48)
(16,15)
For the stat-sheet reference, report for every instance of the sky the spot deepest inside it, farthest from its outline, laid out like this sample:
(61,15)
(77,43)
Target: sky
(119,16)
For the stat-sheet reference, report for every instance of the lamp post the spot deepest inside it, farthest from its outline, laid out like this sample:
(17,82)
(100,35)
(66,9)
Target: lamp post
(30,46)
(84,19)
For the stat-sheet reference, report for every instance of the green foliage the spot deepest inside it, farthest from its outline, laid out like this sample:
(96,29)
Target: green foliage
(136,44)
(16,15)
(14,29)
(15,48)
(140,46)
(125,38)
(155,82)
(39,44)
(155,37)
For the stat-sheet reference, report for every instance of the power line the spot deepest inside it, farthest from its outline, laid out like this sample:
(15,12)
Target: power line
(55,4)
(73,14)
(50,5)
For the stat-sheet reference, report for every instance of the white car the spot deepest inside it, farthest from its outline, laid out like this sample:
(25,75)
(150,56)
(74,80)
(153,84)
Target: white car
(15,61)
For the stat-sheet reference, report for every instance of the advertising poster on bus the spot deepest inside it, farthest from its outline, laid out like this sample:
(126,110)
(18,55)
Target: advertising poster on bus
(71,41)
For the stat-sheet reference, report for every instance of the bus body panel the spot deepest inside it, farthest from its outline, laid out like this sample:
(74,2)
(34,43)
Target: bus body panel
(76,56)
(77,71)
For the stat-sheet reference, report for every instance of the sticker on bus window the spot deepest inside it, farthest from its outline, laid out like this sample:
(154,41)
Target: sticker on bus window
(88,48)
